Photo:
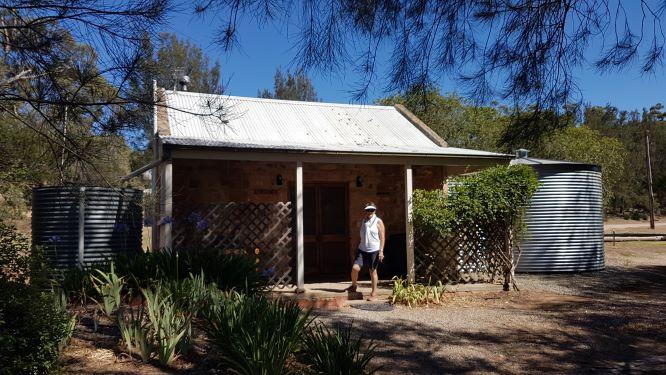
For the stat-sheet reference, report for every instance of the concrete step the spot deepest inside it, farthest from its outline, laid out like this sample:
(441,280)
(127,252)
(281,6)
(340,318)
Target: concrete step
(328,302)
(331,296)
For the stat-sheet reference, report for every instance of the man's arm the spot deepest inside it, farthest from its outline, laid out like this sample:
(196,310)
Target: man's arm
(382,239)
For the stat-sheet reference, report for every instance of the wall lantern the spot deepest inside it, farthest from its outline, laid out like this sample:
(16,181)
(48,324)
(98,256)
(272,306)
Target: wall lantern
(278,180)
(359,181)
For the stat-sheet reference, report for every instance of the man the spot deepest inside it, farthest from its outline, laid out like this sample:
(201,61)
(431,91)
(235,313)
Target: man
(370,250)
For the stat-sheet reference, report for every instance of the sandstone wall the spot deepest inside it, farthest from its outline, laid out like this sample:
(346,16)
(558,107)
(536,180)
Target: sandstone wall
(213,181)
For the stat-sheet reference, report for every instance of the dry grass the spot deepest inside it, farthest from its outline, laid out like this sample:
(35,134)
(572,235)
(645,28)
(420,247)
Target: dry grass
(23,225)
(619,226)
(634,253)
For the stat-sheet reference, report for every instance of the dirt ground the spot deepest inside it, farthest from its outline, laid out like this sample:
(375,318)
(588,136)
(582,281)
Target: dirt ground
(620,225)
(605,322)
(98,351)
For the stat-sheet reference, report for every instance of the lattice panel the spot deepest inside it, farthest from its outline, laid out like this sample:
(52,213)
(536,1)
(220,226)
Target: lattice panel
(262,231)
(469,255)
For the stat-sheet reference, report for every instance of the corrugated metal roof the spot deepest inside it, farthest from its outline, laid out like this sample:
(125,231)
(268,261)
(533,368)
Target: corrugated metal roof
(253,123)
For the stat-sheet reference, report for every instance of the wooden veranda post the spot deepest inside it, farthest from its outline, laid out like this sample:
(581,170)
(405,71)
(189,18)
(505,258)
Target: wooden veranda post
(166,203)
(300,265)
(154,229)
(409,227)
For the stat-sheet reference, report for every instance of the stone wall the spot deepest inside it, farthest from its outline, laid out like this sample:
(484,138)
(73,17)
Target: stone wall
(212,181)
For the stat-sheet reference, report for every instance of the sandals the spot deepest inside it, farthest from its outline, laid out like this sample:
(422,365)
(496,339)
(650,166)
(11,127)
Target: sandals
(351,289)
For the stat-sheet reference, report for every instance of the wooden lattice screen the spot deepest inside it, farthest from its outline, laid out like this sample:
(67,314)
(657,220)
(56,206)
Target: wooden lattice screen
(468,255)
(262,231)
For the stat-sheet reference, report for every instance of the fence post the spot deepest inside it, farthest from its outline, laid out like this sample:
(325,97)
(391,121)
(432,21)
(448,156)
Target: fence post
(508,268)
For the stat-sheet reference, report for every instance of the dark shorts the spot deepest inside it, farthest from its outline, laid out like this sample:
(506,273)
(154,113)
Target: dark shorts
(370,260)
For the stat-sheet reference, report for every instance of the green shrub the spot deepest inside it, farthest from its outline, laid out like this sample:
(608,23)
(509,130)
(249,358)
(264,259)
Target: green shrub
(144,270)
(416,294)
(14,256)
(170,325)
(109,286)
(165,326)
(33,330)
(34,325)
(337,351)
(193,293)
(136,333)
(226,271)
(638,215)
(77,284)
(484,208)
(256,335)
(495,195)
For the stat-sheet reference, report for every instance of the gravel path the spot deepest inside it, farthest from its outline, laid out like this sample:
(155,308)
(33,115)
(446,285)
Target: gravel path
(604,322)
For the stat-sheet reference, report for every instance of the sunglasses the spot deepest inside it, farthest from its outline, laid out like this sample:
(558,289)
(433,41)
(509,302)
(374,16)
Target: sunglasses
(370,210)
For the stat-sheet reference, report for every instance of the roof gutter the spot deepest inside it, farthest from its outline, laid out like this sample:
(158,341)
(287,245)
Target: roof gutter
(337,153)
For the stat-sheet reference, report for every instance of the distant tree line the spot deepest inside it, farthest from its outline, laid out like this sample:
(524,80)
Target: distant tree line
(76,77)
(72,143)
(606,136)
(291,86)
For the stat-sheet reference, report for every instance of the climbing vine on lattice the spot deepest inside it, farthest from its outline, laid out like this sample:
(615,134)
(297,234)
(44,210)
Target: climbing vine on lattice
(469,234)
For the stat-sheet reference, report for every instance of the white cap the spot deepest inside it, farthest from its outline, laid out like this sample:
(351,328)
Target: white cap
(370,207)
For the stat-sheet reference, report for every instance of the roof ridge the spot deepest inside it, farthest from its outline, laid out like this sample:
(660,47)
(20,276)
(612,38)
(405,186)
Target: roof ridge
(281,101)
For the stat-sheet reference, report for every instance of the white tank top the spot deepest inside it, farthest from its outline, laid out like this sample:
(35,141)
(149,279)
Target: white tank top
(370,241)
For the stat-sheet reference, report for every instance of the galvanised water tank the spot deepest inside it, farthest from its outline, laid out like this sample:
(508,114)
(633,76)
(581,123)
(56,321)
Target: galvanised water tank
(564,223)
(84,225)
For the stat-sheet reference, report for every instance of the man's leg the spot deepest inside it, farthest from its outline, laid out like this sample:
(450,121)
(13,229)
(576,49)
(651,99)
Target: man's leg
(356,268)
(374,278)
(354,273)
(354,277)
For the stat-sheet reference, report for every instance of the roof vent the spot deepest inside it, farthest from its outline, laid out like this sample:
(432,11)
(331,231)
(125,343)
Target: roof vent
(181,80)
(522,153)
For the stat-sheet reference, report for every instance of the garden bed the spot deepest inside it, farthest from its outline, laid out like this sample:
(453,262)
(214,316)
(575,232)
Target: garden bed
(593,322)
(97,350)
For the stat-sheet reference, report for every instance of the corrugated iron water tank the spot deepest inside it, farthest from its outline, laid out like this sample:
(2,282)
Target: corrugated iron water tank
(84,225)
(564,223)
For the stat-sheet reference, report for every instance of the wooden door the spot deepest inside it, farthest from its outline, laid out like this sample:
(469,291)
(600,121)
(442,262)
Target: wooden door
(325,230)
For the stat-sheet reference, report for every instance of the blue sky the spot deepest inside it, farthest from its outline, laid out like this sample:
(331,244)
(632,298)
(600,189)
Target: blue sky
(252,67)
